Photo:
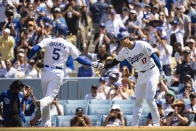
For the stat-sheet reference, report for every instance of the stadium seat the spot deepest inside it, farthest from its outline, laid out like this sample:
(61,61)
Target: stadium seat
(103,119)
(127,109)
(142,120)
(128,120)
(99,109)
(28,119)
(100,102)
(129,101)
(53,120)
(64,121)
(78,102)
(95,120)
(62,102)
(70,109)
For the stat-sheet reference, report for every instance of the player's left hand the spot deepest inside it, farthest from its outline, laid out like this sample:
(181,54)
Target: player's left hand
(162,75)
(97,65)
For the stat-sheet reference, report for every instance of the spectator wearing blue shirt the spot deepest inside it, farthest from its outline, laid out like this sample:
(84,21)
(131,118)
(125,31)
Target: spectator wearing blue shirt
(29,100)
(85,71)
(13,105)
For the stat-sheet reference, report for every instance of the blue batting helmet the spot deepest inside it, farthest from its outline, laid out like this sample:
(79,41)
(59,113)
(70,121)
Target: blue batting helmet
(122,35)
(61,29)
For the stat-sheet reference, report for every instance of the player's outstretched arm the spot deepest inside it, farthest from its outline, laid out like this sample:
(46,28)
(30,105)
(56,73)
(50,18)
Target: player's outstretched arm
(83,61)
(35,49)
(111,64)
(157,61)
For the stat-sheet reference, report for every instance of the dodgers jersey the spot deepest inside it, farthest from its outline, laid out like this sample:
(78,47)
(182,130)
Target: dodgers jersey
(138,56)
(57,51)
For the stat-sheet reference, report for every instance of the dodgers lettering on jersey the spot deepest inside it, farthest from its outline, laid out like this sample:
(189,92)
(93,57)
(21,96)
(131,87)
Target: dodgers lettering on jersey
(138,56)
(57,51)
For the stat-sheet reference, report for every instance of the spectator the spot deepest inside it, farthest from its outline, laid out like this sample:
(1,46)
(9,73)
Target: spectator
(170,99)
(125,71)
(13,105)
(103,86)
(163,90)
(80,119)
(32,71)
(161,113)
(118,93)
(191,45)
(187,91)
(113,25)
(185,68)
(7,45)
(191,108)
(9,71)
(178,54)
(128,86)
(30,100)
(186,80)
(179,117)
(115,117)
(112,79)
(55,108)
(3,5)
(95,94)
(101,38)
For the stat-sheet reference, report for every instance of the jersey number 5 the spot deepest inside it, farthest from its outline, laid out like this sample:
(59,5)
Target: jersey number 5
(144,60)
(56,54)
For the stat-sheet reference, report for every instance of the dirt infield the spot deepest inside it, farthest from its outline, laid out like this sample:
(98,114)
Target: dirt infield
(142,128)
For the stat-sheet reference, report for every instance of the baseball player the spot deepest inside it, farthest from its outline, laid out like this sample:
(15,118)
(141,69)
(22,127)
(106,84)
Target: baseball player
(140,55)
(57,51)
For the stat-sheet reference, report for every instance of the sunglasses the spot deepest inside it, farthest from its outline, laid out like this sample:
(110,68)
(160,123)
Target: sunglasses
(30,25)
(115,110)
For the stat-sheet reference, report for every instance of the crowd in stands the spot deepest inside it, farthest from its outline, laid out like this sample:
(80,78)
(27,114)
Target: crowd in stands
(168,25)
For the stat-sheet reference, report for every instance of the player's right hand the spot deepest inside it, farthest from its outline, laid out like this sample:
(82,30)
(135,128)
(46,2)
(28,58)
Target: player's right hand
(97,65)
(162,75)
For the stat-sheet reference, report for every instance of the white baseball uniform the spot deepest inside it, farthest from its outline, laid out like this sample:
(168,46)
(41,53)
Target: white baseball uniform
(57,51)
(148,77)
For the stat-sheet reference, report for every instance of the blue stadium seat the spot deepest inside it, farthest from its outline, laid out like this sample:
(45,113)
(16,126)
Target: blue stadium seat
(78,102)
(100,102)
(53,120)
(64,121)
(70,109)
(99,109)
(28,119)
(62,102)
(129,101)
(128,120)
(127,109)
(142,120)
(95,120)
(146,109)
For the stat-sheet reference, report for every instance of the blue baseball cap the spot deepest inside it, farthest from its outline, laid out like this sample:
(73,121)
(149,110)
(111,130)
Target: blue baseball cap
(102,25)
(102,79)
(46,18)
(123,29)
(47,24)
(117,84)
(122,35)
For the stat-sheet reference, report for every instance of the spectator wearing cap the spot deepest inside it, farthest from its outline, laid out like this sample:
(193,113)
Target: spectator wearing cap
(161,113)
(179,117)
(191,108)
(181,17)
(72,15)
(169,100)
(165,53)
(80,119)
(7,45)
(185,68)
(118,93)
(32,71)
(58,18)
(95,95)
(13,105)
(133,22)
(97,10)
(103,88)
(155,10)
(85,71)
(113,25)
(176,34)
(139,11)
(147,14)
(106,16)
(191,45)
(101,37)
(115,117)
(112,79)
(124,14)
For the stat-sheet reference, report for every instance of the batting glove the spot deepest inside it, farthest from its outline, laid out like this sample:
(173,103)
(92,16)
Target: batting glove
(97,65)
(162,75)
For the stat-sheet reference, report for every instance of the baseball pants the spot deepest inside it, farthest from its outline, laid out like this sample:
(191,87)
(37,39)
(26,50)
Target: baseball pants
(146,88)
(51,81)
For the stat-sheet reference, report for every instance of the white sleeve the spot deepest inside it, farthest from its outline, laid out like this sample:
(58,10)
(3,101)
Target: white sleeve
(148,49)
(43,43)
(75,53)
(121,56)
